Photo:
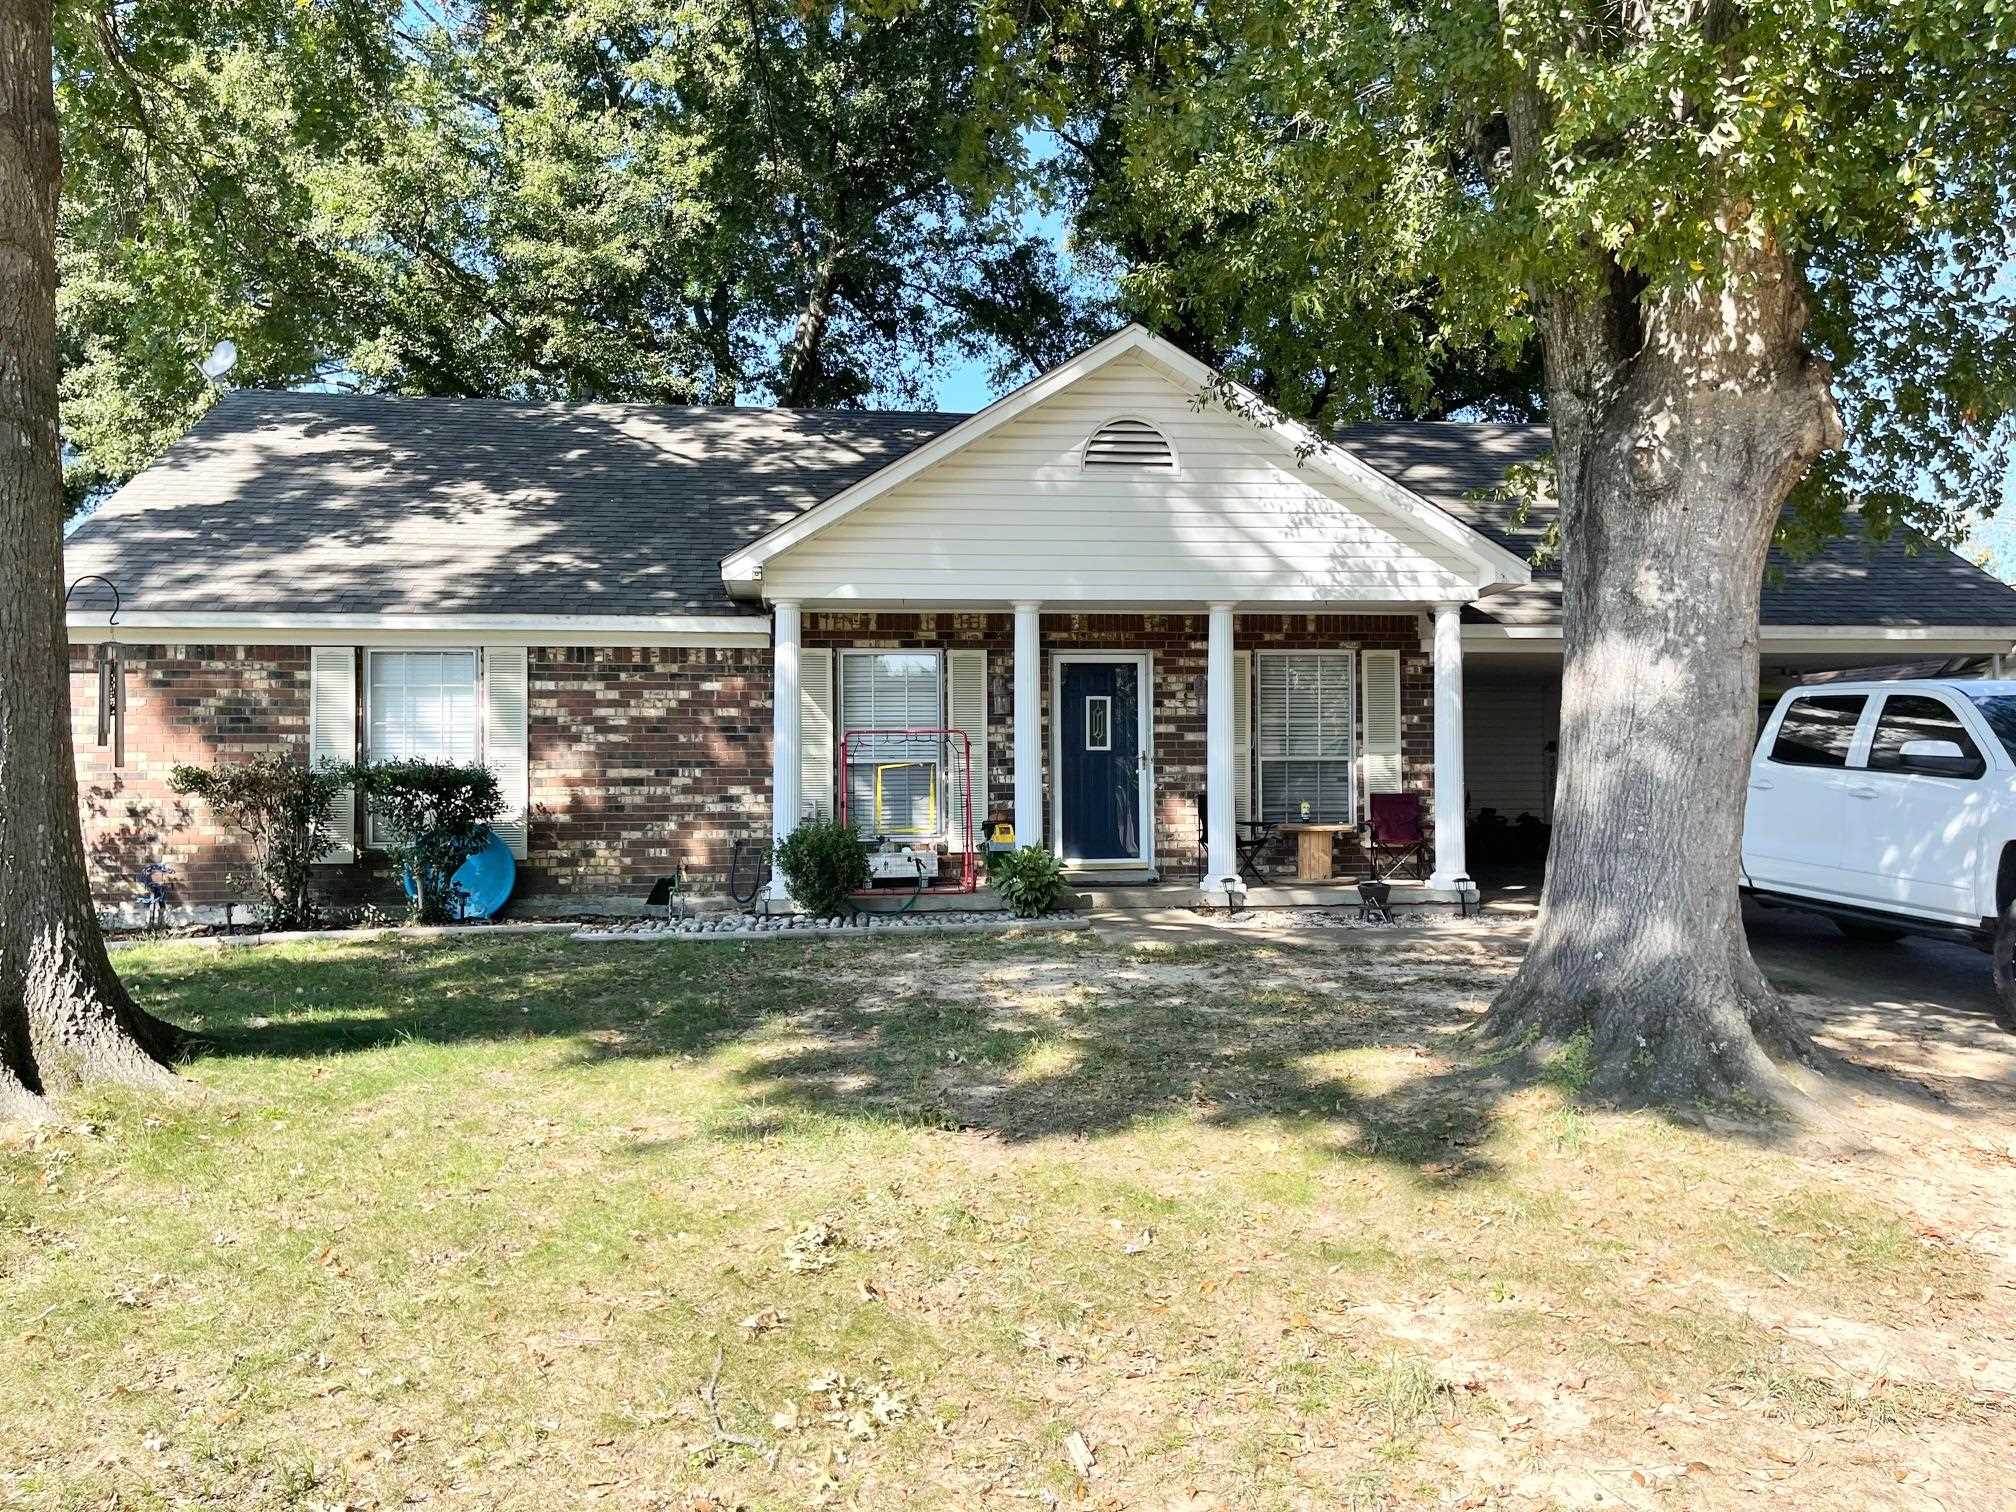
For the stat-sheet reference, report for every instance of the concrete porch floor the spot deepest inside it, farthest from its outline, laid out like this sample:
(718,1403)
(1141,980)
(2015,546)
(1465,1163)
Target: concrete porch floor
(1339,892)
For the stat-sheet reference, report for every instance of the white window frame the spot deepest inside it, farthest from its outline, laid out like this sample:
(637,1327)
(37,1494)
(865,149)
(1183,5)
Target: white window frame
(371,655)
(1349,760)
(843,728)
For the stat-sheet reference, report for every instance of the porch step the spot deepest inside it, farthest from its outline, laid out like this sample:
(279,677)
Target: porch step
(1112,877)
(1340,893)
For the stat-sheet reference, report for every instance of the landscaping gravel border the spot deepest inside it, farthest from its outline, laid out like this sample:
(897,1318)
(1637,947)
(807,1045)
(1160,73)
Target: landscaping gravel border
(803,927)
(295,936)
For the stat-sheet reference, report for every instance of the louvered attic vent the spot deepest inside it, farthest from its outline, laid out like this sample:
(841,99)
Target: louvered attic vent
(1129,443)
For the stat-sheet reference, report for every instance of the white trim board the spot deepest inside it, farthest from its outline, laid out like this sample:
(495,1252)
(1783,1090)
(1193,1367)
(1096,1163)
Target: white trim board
(1787,639)
(742,570)
(88,627)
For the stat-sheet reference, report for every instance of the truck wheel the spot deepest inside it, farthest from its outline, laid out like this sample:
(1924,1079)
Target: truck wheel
(1869,934)
(2005,969)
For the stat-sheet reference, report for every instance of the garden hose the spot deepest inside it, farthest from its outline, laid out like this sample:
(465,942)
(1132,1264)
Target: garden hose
(908,903)
(746,901)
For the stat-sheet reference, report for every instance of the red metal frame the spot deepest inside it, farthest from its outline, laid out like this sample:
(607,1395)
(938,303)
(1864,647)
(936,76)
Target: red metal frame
(969,872)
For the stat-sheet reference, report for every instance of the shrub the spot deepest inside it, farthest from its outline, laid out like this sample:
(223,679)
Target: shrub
(1030,880)
(438,815)
(823,863)
(283,809)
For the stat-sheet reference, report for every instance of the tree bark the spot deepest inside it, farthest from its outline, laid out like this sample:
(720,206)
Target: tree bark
(802,373)
(1682,420)
(65,1018)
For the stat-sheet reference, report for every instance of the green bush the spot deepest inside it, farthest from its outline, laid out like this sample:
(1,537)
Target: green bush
(1030,880)
(823,863)
(438,815)
(283,808)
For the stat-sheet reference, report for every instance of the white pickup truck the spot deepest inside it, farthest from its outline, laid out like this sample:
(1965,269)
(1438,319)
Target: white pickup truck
(1890,807)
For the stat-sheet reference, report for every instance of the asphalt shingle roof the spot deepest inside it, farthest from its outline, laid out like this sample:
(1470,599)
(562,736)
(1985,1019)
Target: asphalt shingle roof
(340,503)
(1849,582)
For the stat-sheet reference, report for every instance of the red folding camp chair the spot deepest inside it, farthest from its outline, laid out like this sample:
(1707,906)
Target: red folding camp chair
(1397,836)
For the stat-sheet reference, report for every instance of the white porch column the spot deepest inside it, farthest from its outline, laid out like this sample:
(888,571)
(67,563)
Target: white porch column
(1221,855)
(784,732)
(1028,725)
(1449,859)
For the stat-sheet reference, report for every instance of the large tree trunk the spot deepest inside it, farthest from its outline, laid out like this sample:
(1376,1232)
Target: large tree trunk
(64,1016)
(1682,421)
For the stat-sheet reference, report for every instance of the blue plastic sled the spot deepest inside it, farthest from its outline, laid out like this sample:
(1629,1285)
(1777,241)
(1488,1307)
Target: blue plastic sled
(487,877)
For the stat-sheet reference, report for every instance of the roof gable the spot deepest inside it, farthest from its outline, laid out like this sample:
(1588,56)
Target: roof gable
(1322,469)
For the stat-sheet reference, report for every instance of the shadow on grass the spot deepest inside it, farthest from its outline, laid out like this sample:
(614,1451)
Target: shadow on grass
(1019,1040)
(1027,1040)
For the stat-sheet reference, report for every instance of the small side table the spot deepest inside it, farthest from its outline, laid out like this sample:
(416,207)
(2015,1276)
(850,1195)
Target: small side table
(1315,847)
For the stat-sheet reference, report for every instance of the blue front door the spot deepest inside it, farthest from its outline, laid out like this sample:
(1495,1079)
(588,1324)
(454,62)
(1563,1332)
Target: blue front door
(1100,766)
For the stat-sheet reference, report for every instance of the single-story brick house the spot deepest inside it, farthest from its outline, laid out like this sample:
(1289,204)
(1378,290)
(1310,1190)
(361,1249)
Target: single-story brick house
(664,626)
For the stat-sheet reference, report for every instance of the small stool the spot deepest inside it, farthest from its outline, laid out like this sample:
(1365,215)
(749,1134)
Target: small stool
(1373,906)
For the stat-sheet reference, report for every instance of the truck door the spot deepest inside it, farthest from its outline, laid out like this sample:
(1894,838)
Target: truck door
(1798,799)
(1914,825)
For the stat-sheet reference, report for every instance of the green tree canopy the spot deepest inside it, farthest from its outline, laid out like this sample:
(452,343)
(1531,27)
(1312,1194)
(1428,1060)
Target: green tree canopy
(1325,198)
(616,199)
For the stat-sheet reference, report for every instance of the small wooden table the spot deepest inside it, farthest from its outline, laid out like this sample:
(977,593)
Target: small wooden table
(1315,846)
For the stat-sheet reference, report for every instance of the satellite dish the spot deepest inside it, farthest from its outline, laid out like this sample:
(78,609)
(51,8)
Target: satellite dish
(223,357)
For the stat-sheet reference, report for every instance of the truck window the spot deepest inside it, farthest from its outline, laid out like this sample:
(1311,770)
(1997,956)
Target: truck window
(1999,709)
(1913,716)
(1818,730)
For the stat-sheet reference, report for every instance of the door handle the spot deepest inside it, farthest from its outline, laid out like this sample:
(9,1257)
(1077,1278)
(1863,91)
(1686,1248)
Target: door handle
(1863,791)
(1762,784)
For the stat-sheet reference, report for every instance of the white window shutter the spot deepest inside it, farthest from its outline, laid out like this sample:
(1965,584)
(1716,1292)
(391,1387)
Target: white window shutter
(1242,735)
(506,745)
(332,736)
(1381,758)
(815,733)
(966,698)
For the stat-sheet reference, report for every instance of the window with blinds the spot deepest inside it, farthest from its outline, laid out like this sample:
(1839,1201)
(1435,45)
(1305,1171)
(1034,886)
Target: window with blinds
(895,783)
(421,705)
(1303,736)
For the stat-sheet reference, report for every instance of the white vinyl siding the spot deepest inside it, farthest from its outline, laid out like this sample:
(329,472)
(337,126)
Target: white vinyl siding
(966,698)
(332,737)
(1017,514)
(895,783)
(420,705)
(1379,764)
(1305,713)
(815,734)
(1511,725)
(506,745)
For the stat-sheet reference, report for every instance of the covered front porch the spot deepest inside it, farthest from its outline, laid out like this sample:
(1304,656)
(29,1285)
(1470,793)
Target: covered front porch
(1143,747)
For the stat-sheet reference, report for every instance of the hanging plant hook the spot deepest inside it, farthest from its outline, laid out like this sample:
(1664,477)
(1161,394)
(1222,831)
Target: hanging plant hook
(98,577)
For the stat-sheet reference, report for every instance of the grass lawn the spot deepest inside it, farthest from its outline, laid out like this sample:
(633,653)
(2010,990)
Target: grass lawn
(937,1224)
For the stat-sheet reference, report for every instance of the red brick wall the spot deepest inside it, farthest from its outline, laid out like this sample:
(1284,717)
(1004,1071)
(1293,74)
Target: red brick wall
(644,759)
(185,704)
